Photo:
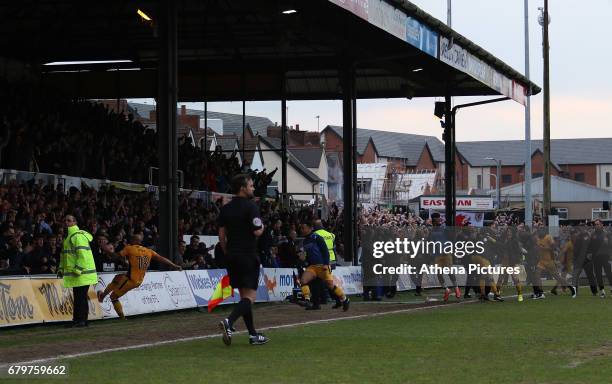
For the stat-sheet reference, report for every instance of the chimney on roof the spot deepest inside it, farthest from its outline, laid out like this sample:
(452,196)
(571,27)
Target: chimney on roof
(183,110)
(297,127)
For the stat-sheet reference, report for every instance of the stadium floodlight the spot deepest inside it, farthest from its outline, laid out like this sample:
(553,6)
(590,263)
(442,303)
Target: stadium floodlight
(439,109)
(289,11)
(87,62)
(143,15)
(417,70)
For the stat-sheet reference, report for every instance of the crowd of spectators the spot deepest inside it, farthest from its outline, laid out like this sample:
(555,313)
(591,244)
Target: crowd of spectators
(31,227)
(32,230)
(44,132)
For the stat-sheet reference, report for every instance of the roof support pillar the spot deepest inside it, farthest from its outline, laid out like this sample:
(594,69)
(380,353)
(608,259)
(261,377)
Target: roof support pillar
(205,130)
(285,197)
(348,148)
(354,181)
(167,131)
(449,161)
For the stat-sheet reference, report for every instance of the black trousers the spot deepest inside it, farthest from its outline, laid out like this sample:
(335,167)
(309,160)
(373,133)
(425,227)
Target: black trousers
(580,264)
(417,278)
(80,310)
(600,262)
(532,277)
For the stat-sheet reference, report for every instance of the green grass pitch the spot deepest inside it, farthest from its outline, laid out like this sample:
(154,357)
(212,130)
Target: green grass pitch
(556,340)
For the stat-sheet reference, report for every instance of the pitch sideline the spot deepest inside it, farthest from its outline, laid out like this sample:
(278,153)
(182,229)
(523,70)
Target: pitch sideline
(210,336)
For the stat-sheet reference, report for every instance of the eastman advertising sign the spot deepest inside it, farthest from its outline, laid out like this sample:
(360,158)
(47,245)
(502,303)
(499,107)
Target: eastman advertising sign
(463,203)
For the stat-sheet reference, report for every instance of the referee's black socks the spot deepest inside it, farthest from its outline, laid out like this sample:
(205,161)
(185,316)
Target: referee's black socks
(243,308)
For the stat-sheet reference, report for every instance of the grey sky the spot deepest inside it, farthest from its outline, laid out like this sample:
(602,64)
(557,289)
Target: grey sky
(580,92)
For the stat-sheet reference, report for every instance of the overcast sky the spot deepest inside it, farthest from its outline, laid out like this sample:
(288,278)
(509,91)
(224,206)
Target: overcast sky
(580,85)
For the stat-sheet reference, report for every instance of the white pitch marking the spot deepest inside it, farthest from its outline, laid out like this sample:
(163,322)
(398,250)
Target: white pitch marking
(193,338)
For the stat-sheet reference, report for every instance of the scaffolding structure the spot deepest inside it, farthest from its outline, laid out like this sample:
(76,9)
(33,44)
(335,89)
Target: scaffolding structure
(378,185)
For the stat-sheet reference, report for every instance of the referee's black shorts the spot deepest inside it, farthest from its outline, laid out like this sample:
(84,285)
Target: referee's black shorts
(244,272)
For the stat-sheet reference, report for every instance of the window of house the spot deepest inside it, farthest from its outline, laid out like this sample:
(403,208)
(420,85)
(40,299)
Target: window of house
(506,179)
(579,176)
(598,213)
(562,212)
(322,188)
(364,186)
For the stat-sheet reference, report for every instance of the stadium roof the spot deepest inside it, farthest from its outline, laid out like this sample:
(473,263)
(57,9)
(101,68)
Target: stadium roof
(246,49)
(562,151)
(396,144)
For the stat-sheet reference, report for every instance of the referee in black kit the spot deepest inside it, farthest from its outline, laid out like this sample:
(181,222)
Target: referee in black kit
(239,227)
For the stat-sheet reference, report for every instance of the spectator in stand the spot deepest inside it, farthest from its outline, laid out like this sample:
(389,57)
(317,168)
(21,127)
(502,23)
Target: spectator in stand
(199,263)
(288,252)
(53,249)
(7,233)
(41,225)
(194,249)
(104,260)
(4,266)
(38,257)
(15,255)
(180,259)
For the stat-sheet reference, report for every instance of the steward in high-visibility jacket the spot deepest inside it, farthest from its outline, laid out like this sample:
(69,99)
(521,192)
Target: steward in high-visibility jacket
(77,265)
(329,238)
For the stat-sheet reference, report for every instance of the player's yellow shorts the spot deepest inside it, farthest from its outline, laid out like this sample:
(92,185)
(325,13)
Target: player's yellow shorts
(480,260)
(444,261)
(547,264)
(321,271)
(123,284)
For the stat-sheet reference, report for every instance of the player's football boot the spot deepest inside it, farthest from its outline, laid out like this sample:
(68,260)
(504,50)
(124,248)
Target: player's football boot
(457,293)
(447,293)
(258,339)
(345,304)
(227,331)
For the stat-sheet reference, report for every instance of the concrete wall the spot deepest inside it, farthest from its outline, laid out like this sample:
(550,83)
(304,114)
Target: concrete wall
(578,210)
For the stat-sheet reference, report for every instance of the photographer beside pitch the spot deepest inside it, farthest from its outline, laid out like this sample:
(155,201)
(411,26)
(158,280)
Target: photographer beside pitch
(240,225)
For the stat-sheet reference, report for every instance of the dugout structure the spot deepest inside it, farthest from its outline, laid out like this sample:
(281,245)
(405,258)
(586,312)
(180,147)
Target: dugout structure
(222,50)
